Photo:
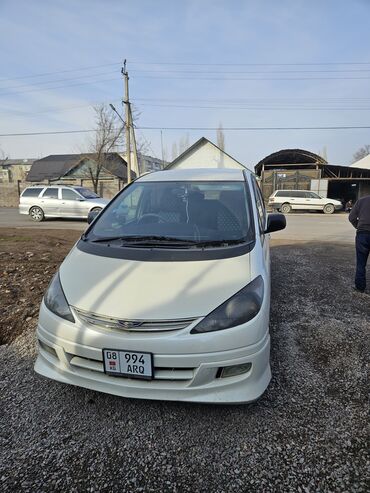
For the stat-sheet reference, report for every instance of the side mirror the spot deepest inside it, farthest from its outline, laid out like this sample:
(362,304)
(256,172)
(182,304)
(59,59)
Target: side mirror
(275,222)
(91,216)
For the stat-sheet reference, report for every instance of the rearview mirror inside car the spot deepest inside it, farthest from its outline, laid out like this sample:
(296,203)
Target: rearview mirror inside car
(275,222)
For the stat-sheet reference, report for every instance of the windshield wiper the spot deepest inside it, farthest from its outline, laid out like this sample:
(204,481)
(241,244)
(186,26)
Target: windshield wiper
(215,243)
(166,240)
(145,240)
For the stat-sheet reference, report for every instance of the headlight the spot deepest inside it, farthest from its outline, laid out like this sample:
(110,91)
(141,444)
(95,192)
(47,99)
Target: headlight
(55,300)
(237,310)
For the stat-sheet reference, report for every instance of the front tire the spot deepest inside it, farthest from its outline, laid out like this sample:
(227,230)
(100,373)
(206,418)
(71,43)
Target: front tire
(96,209)
(36,214)
(329,209)
(286,208)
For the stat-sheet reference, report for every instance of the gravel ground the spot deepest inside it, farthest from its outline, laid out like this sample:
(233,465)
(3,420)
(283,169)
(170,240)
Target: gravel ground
(307,433)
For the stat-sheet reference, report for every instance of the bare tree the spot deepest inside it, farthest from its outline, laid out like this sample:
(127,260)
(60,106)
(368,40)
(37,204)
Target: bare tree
(361,153)
(2,155)
(220,137)
(183,143)
(108,135)
(174,151)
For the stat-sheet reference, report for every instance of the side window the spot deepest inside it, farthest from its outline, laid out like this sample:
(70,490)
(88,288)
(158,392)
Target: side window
(284,193)
(31,192)
(260,205)
(50,193)
(68,194)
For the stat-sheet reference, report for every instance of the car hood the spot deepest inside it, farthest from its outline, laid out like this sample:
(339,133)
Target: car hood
(132,289)
(99,201)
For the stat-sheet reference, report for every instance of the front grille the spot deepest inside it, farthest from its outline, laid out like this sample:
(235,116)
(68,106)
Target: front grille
(133,325)
(160,373)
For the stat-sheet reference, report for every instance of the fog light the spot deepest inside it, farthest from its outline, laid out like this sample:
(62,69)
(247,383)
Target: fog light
(48,349)
(232,371)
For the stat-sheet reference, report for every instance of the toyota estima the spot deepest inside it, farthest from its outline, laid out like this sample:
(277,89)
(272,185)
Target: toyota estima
(167,293)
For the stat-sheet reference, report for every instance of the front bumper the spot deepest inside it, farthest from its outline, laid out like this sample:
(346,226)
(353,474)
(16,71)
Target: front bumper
(190,376)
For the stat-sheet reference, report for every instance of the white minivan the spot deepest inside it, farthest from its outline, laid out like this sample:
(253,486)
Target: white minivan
(167,293)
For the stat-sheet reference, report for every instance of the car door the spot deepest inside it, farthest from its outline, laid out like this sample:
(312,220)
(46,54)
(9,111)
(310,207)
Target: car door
(72,204)
(49,201)
(315,201)
(298,200)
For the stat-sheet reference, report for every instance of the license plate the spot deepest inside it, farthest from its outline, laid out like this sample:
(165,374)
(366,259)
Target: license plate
(128,364)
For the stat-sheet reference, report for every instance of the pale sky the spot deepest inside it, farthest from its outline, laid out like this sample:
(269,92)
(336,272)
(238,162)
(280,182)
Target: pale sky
(59,57)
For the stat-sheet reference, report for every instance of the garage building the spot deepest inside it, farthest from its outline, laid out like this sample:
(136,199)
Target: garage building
(297,169)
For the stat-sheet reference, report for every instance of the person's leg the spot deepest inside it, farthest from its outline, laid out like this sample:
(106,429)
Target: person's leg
(362,254)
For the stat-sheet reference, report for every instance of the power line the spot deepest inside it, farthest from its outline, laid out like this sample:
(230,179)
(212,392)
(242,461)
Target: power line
(59,72)
(58,132)
(251,72)
(248,78)
(56,80)
(188,64)
(257,128)
(58,87)
(255,108)
(232,104)
(243,100)
(22,114)
(249,64)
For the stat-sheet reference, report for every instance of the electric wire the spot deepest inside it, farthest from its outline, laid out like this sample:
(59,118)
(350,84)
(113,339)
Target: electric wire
(57,132)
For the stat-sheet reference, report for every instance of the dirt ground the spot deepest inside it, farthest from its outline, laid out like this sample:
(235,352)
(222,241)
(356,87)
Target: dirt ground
(307,433)
(28,260)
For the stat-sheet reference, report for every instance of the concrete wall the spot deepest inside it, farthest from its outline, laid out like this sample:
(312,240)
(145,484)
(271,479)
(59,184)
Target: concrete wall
(9,194)
(206,156)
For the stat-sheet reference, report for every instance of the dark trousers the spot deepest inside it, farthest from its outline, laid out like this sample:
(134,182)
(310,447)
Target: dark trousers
(362,254)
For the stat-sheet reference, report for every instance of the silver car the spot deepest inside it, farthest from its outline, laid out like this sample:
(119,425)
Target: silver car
(41,201)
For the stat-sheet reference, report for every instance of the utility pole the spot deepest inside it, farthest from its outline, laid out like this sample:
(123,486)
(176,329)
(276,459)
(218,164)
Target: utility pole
(127,126)
(136,161)
(162,149)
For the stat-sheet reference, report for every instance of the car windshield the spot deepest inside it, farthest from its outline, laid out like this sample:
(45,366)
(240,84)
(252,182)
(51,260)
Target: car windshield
(188,212)
(85,192)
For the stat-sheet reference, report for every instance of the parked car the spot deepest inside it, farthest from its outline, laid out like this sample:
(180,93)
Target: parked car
(288,200)
(42,201)
(167,293)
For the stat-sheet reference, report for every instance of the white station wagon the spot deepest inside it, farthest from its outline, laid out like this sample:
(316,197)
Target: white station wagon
(42,201)
(288,200)
(167,293)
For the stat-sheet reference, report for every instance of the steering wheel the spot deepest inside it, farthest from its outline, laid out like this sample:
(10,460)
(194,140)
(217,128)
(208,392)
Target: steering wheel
(146,218)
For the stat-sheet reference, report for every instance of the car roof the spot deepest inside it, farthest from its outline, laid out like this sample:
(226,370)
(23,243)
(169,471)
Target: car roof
(196,174)
(293,191)
(55,186)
